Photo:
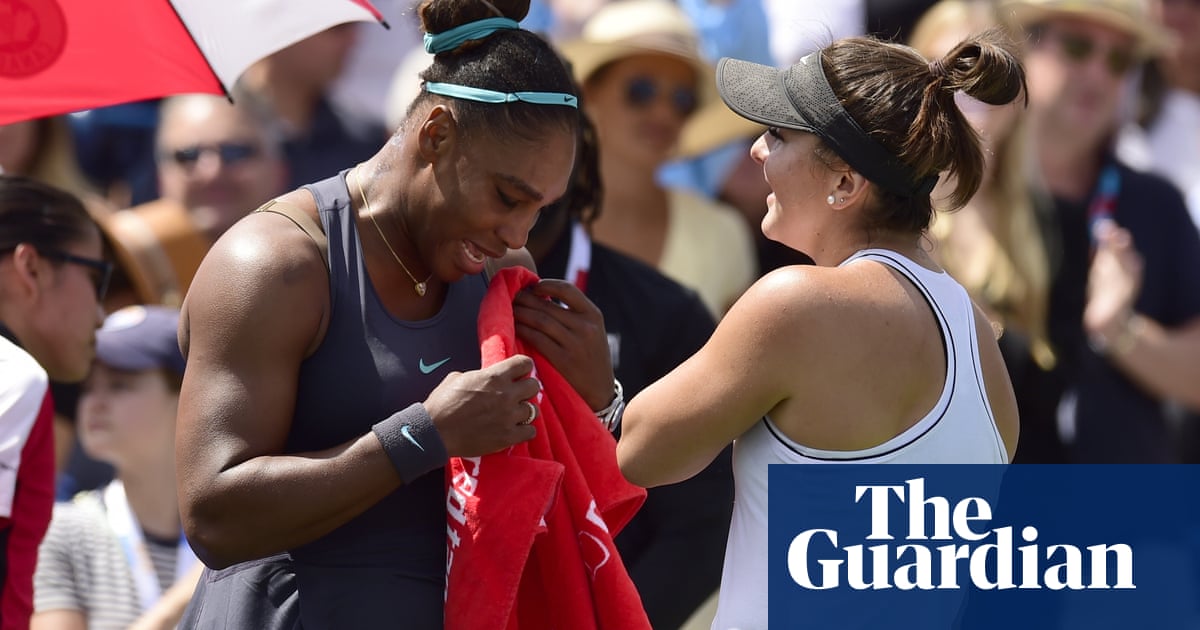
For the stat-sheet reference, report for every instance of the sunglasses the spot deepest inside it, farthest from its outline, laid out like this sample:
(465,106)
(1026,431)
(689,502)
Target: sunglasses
(102,269)
(230,153)
(641,92)
(1080,48)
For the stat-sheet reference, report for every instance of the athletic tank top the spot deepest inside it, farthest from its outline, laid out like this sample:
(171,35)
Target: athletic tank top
(369,366)
(960,429)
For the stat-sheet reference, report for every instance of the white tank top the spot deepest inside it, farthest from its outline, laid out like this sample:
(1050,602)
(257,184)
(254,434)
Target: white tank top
(960,429)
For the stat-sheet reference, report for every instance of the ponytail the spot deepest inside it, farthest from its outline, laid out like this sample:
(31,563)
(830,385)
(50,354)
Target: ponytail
(906,104)
(982,67)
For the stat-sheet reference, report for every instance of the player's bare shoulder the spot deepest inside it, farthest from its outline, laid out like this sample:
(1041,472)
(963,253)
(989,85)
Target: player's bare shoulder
(265,267)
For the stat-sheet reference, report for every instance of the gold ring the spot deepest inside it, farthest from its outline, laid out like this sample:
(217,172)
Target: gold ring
(533,411)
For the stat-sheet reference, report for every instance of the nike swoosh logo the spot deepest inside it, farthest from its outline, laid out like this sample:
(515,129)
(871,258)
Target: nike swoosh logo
(426,369)
(404,430)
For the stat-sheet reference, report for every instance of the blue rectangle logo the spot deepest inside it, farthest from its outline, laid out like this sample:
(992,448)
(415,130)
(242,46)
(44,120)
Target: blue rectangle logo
(984,547)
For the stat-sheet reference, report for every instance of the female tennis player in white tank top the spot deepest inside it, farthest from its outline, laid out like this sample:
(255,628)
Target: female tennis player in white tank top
(873,355)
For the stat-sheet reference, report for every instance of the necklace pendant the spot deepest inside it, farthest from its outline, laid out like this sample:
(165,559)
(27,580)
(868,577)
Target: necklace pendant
(420,288)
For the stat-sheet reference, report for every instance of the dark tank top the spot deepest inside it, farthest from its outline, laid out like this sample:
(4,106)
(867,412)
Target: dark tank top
(369,366)
(385,568)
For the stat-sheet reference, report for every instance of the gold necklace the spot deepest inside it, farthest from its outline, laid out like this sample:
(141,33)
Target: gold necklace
(418,285)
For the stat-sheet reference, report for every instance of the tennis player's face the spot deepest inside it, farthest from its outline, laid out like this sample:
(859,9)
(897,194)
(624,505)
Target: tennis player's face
(798,188)
(494,190)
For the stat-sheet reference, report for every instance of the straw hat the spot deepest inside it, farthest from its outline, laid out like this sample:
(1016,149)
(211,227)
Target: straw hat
(1127,16)
(627,28)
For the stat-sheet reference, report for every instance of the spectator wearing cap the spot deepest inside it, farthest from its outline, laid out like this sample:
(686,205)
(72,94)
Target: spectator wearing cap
(1124,310)
(643,80)
(116,557)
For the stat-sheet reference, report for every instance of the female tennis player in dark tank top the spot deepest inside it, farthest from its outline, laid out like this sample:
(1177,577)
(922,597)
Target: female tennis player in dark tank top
(322,399)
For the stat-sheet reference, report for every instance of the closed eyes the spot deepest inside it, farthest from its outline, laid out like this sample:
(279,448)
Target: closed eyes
(508,202)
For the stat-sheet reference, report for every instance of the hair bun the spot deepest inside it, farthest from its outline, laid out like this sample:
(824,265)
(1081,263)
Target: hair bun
(439,16)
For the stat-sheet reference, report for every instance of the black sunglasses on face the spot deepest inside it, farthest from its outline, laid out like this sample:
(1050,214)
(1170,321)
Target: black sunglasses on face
(102,269)
(1080,48)
(230,153)
(642,91)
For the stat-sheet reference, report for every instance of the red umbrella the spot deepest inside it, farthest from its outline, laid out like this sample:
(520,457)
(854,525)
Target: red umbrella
(61,56)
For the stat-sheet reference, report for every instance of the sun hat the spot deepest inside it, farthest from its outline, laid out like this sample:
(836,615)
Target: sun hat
(800,98)
(1127,16)
(138,338)
(628,28)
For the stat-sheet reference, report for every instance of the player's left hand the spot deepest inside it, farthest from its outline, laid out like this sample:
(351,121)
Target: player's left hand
(563,325)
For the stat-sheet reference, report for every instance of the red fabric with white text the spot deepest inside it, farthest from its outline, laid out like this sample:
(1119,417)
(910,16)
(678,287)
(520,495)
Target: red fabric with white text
(530,530)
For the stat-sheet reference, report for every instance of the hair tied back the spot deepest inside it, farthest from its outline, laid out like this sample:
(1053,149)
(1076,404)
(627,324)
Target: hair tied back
(937,68)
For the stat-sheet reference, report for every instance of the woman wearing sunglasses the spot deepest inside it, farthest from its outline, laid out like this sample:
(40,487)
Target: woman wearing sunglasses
(643,79)
(52,279)
(875,354)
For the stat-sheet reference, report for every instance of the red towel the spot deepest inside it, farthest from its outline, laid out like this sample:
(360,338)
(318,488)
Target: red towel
(530,530)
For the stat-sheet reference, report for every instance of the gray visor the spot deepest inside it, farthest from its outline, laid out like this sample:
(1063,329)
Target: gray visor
(800,98)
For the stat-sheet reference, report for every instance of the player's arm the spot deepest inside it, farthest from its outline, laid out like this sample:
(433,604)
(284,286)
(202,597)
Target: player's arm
(255,310)
(677,425)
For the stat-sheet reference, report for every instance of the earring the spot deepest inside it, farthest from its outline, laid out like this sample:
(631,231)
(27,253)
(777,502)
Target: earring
(842,200)
(829,200)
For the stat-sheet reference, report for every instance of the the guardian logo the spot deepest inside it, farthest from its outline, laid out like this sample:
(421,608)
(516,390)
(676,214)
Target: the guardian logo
(946,545)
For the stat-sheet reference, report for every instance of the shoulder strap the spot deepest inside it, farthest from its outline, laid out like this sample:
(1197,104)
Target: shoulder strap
(304,221)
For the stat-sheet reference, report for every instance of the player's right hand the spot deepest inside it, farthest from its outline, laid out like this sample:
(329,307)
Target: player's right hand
(483,411)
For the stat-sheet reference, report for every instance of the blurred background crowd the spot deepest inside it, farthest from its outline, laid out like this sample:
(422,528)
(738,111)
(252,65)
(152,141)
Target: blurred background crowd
(1103,346)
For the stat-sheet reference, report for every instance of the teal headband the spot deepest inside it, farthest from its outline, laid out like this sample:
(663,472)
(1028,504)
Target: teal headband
(479,29)
(490,96)
(457,36)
